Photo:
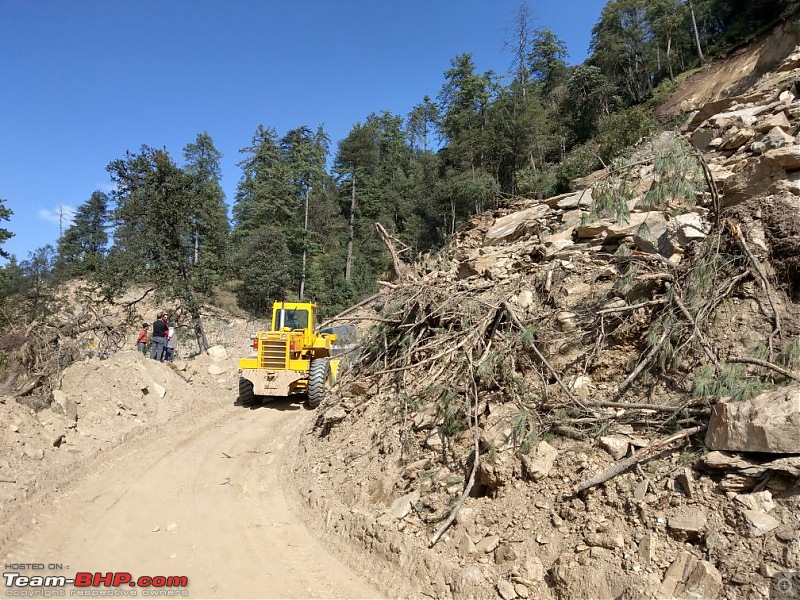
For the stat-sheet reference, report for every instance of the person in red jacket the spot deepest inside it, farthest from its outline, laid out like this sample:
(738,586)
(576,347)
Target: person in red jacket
(141,341)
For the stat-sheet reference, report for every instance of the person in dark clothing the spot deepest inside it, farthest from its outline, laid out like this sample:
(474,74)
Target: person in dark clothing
(159,338)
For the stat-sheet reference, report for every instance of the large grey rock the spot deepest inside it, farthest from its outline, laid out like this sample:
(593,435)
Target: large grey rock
(688,520)
(402,506)
(769,423)
(516,225)
(776,138)
(571,200)
(759,523)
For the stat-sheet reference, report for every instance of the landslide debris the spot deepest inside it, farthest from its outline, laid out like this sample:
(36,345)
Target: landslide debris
(570,401)
(77,387)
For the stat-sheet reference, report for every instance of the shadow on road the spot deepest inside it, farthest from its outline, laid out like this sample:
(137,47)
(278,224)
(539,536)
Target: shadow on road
(275,403)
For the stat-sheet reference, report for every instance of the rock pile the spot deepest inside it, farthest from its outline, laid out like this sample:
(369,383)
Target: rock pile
(554,341)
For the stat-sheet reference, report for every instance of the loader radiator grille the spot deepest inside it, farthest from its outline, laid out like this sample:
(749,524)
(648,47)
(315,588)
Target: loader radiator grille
(273,354)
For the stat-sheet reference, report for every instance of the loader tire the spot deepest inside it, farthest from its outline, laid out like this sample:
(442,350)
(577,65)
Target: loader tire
(246,396)
(319,380)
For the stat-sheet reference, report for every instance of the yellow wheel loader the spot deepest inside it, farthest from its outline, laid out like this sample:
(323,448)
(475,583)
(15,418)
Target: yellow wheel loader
(292,358)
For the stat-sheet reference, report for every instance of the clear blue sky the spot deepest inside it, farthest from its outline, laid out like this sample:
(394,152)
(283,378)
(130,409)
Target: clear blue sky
(85,80)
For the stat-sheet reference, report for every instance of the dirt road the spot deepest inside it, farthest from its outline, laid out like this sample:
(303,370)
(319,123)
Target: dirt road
(203,500)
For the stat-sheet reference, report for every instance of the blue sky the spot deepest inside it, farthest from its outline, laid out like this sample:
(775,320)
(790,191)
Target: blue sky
(85,80)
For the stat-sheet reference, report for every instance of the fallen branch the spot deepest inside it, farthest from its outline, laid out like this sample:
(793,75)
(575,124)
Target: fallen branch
(766,364)
(626,463)
(476,443)
(341,315)
(630,307)
(400,268)
(645,361)
(696,330)
(518,323)
(736,232)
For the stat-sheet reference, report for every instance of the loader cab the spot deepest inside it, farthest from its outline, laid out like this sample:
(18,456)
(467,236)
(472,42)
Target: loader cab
(293,315)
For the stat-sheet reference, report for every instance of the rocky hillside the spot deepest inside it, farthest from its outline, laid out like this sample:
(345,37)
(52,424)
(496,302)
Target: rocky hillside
(596,395)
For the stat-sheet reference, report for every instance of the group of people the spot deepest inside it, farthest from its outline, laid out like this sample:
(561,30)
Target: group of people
(164,339)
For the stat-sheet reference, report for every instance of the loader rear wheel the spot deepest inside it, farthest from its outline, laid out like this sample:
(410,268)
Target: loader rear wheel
(246,396)
(320,380)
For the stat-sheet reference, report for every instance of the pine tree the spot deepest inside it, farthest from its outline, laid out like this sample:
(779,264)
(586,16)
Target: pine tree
(209,225)
(5,234)
(82,248)
(155,220)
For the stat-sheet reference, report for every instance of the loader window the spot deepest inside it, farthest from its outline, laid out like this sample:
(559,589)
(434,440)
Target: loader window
(293,319)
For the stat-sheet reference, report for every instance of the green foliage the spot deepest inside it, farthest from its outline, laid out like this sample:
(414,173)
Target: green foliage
(733,382)
(450,412)
(789,357)
(5,234)
(524,431)
(82,248)
(677,175)
(621,130)
(265,267)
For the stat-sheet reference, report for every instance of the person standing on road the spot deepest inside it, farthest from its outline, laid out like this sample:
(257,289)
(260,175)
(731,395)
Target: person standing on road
(160,329)
(141,341)
(172,342)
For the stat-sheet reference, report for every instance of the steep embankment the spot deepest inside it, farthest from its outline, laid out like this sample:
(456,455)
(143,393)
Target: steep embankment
(516,375)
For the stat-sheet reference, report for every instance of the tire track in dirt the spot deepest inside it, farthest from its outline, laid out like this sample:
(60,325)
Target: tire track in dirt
(202,499)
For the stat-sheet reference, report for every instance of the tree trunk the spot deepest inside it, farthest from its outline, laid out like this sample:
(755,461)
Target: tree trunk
(696,34)
(349,264)
(669,59)
(305,250)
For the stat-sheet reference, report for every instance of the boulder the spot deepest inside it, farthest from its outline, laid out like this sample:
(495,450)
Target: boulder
(571,200)
(787,158)
(688,577)
(520,224)
(539,465)
(215,370)
(617,447)
(767,423)
(487,544)
(735,138)
(759,523)
(769,122)
(702,137)
(217,352)
(401,506)
(688,522)
(776,138)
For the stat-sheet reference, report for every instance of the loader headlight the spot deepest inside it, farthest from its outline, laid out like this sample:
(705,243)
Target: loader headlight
(283,337)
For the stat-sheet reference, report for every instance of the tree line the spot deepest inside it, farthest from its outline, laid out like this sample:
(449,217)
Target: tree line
(302,222)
